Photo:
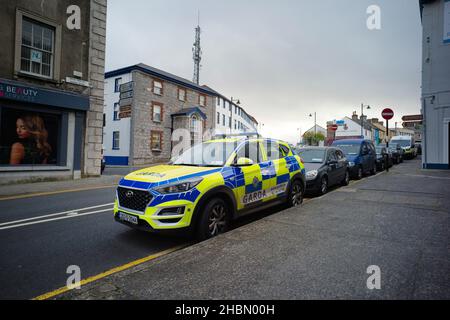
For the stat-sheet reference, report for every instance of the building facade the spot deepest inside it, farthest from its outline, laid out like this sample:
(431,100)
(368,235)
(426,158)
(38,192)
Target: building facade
(51,88)
(141,122)
(435,98)
(231,118)
(350,128)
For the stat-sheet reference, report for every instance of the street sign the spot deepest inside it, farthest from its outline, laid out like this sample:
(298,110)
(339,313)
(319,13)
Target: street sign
(126,102)
(387,114)
(416,117)
(126,95)
(125,87)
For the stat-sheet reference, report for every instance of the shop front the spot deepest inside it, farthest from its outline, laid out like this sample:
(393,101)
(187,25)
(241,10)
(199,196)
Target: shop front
(41,132)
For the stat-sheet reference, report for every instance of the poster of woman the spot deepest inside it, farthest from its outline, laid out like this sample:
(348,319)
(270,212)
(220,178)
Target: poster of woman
(28,138)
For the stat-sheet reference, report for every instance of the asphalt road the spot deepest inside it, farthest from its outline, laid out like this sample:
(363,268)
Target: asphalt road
(41,236)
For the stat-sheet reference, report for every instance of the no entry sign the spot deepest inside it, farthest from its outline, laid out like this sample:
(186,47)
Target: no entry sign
(387,114)
(333,127)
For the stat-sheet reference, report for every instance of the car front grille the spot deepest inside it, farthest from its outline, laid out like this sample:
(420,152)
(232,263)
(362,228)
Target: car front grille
(133,199)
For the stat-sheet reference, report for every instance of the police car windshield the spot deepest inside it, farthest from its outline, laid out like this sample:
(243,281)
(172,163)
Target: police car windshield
(349,149)
(402,143)
(207,154)
(312,156)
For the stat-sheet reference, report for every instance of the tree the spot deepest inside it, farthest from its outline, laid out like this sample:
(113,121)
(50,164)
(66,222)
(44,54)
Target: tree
(313,139)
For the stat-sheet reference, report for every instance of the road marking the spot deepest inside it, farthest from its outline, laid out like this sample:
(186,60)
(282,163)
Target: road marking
(54,219)
(129,265)
(57,214)
(38,194)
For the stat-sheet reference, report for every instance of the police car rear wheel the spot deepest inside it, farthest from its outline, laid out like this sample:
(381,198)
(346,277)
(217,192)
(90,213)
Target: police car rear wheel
(215,219)
(296,196)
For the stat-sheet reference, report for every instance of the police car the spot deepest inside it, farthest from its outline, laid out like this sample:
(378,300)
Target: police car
(210,184)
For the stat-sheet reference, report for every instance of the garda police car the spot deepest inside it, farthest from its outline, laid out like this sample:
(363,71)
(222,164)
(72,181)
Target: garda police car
(210,184)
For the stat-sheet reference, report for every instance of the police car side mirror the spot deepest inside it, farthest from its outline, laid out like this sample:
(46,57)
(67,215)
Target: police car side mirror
(241,162)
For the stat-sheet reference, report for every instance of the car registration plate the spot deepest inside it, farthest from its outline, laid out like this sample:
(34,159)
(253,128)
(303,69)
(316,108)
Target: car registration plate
(128,218)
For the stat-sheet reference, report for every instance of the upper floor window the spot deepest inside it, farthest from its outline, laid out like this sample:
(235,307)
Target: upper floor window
(181,94)
(223,120)
(157,112)
(202,100)
(157,87)
(37,48)
(116,140)
(116,112)
(218,117)
(117,84)
(218,101)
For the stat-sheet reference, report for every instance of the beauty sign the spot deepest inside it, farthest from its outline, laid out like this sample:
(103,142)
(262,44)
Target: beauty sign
(36,56)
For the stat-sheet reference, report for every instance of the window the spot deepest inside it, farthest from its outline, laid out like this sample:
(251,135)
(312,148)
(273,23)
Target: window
(218,117)
(116,112)
(218,101)
(331,156)
(229,122)
(156,140)
(157,87)
(104,119)
(37,48)
(117,84)
(116,140)
(195,124)
(250,150)
(235,124)
(223,120)
(235,109)
(273,150)
(285,150)
(202,100)
(181,94)
(157,112)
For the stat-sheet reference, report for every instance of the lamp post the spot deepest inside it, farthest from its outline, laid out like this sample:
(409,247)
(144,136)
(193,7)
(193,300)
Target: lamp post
(362,117)
(315,126)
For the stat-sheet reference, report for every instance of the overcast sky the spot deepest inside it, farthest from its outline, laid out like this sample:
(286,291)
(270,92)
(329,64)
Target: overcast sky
(282,59)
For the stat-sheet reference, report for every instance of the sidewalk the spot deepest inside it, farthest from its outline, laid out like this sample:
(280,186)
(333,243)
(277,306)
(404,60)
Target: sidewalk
(56,186)
(398,221)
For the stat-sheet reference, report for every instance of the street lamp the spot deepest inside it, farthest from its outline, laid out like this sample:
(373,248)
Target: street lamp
(238,102)
(362,116)
(315,126)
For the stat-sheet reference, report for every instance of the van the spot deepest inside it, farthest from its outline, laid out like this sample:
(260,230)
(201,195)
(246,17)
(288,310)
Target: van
(408,145)
(361,156)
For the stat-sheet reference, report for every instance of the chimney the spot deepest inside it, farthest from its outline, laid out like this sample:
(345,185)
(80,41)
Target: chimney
(374,120)
(354,116)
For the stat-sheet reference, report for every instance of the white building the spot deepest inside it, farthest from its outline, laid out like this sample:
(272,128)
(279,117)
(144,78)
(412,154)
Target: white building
(436,83)
(232,118)
(349,128)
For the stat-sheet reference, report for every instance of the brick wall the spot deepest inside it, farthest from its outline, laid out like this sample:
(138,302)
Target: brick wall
(94,124)
(143,125)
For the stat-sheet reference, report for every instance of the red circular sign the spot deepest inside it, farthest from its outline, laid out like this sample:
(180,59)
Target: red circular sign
(387,114)
(334,127)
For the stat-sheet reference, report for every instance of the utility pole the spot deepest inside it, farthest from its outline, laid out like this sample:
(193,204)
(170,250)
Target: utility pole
(197,53)
(362,117)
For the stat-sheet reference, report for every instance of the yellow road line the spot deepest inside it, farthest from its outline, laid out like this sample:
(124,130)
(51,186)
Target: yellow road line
(59,291)
(37,194)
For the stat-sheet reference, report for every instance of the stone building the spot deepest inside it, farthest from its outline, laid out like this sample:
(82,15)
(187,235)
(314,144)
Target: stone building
(51,88)
(140,120)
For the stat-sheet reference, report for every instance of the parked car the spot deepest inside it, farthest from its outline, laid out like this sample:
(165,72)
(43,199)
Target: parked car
(325,167)
(395,151)
(360,154)
(210,184)
(382,153)
(408,145)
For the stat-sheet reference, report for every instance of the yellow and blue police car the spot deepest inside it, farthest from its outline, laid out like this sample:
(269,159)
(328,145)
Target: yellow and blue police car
(210,184)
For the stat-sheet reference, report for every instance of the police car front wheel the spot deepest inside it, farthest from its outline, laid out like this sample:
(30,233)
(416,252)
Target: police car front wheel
(215,219)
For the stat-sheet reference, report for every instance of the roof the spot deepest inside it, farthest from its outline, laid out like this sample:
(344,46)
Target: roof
(350,141)
(189,111)
(163,75)
(367,125)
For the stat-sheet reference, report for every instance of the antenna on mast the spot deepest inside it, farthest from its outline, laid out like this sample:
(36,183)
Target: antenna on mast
(197,52)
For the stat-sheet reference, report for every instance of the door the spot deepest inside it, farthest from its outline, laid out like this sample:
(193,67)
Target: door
(342,168)
(252,192)
(276,171)
(332,167)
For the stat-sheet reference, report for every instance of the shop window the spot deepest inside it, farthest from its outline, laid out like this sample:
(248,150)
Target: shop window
(29,138)
(37,48)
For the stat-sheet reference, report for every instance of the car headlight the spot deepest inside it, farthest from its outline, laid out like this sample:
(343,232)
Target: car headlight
(351,164)
(178,187)
(310,175)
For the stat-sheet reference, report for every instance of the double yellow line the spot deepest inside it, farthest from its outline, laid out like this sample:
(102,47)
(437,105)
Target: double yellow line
(62,290)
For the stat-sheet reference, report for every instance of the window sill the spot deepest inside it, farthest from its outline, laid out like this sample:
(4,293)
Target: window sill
(20,168)
(116,149)
(36,77)
(156,150)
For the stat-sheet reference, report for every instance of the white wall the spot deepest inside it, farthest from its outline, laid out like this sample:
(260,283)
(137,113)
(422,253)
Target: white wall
(353,129)
(435,85)
(223,108)
(122,125)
